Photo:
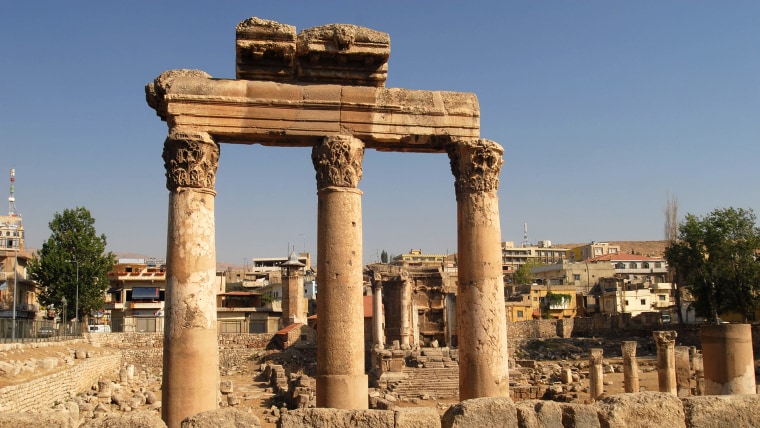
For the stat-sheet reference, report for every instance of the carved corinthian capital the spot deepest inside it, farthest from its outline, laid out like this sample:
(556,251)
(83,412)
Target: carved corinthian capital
(476,165)
(191,159)
(338,161)
(595,355)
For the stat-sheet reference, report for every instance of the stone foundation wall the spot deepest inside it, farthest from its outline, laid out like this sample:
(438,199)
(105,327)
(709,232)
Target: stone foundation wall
(42,393)
(147,349)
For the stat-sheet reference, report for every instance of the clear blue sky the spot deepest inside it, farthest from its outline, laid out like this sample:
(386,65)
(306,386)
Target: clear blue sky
(603,107)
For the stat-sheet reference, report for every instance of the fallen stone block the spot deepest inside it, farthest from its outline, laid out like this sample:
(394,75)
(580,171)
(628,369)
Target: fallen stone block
(337,418)
(644,409)
(489,412)
(719,411)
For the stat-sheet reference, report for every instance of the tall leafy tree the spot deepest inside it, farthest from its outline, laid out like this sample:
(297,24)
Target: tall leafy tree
(523,275)
(716,255)
(384,257)
(74,254)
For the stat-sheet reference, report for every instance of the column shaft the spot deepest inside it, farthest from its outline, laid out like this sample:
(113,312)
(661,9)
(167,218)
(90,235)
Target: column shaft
(728,360)
(666,361)
(377,317)
(190,335)
(341,382)
(481,317)
(683,371)
(630,367)
(595,373)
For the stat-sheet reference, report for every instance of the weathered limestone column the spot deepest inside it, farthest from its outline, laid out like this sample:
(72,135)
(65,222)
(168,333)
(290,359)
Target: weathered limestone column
(683,371)
(377,316)
(728,361)
(341,382)
(293,307)
(481,317)
(630,366)
(190,335)
(595,372)
(699,374)
(666,360)
(406,310)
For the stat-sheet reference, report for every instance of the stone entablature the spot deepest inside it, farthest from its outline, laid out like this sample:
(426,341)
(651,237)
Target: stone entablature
(280,114)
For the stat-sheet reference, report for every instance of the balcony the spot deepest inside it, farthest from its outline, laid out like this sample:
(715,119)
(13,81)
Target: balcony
(113,306)
(145,305)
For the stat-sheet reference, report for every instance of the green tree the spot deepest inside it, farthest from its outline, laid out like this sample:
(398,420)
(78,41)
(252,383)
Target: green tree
(523,274)
(384,257)
(716,255)
(73,257)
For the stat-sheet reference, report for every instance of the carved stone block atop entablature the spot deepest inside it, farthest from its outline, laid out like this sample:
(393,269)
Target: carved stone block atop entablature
(344,54)
(265,50)
(337,53)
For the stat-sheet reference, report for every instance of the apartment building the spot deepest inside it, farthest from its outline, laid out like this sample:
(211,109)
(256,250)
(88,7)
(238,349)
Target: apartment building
(17,293)
(513,257)
(591,250)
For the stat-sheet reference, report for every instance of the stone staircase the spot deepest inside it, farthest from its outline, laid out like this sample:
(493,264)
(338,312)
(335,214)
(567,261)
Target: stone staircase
(438,382)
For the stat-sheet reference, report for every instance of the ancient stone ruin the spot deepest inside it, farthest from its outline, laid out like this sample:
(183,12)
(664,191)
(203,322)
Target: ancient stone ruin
(324,89)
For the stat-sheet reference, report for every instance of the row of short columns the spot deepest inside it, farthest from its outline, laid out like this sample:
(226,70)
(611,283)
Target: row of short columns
(190,342)
(725,367)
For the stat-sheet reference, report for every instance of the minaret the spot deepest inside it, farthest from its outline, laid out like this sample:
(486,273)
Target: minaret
(293,306)
(11,225)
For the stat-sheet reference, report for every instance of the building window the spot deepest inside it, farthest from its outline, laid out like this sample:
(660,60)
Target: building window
(633,266)
(520,314)
(576,277)
(657,265)
(643,302)
(535,299)
(626,302)
(661,297)
(645,265)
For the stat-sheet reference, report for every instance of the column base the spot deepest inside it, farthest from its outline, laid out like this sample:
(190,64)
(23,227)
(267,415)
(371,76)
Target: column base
(342,391)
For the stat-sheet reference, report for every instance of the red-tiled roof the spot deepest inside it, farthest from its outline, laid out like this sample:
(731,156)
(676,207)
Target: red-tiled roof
(288,328)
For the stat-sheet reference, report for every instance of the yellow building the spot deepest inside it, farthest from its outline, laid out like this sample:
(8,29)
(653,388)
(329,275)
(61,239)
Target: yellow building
(519,308)
(542,301)
(591,250)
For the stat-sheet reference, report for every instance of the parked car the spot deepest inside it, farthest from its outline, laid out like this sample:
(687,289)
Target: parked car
(100,329)
(46,331)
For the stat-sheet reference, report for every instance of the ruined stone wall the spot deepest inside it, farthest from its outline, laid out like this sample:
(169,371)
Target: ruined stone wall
(147,349)
(42,393)
(533,329)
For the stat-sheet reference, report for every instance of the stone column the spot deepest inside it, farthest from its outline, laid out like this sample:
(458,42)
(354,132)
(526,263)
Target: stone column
(699,374)
(630,367)
(341,382)
(666,360)
(293,307)
(406,310)
(377,316)
(683,371)
(191,354)
(728,361)
(481,317)
(595,372)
